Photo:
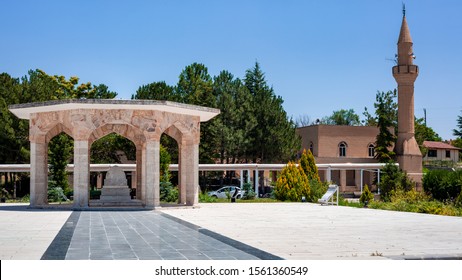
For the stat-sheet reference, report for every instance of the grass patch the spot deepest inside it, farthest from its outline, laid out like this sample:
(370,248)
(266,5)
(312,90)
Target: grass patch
(411,201)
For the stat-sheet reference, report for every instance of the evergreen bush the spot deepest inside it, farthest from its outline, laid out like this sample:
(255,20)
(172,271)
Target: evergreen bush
(308,165)
(393,179)
(249,193)
(366,196)
(292,184)
(168,193)
(317,190)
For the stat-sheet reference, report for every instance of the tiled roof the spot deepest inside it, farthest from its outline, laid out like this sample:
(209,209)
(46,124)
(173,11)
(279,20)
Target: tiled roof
(439,145)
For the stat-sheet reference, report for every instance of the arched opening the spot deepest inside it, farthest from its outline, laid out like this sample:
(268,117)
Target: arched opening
(114,150)
(169,179)
(342,149)
(60,154)
(371,150)
(111,149)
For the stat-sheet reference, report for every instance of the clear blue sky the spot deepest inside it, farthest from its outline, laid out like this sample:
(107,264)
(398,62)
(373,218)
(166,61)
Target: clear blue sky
(320,56)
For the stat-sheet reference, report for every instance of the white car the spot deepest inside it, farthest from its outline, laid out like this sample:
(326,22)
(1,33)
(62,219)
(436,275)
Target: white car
(222,192)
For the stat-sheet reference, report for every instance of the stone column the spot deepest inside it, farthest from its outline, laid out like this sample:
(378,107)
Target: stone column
(189,172)
(138,173)
(152,164)
(38,174)
(81,173)
(181,175)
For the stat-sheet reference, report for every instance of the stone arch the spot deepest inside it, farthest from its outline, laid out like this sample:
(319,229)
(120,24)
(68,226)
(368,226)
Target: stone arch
(177,131)
(188,153)
(130,132)
(57,129)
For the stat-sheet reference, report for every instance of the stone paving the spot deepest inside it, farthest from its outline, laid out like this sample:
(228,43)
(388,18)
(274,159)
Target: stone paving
(228,231)
(302,231)
(146,235)
(26,234)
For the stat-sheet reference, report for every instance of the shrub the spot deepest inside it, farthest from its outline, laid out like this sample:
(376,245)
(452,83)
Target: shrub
(292,184)
(317,190)
(249,193)
(418,202)
(56,194)
(25,198)
(168,193)
(458,201)
(443,184)
(366,196)
(393,179)
(205,198)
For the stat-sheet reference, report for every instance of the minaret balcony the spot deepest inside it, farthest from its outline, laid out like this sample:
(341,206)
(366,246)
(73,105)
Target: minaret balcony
(405,69)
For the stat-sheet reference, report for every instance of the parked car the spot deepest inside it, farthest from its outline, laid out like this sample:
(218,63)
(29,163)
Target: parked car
(221,193)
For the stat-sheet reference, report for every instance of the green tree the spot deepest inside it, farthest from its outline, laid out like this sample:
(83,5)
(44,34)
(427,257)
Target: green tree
(273,138)
(424,133)
(342,117)
(369,120)
(458,132)
(111,148)
(392,180)
(224,88)
(33,87)
(235,120)
(195,87)
(156,91)
(386,112)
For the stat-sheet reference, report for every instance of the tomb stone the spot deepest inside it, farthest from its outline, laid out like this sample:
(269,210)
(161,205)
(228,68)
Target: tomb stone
(115,188)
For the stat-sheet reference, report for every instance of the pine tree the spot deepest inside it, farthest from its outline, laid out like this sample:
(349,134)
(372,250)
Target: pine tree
(195,87)
(386,109)
(273,138)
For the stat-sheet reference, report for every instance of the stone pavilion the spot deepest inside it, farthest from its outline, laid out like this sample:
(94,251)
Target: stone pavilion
(141,121)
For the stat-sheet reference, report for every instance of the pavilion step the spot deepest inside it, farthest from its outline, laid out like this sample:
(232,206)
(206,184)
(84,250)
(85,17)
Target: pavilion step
(130,203)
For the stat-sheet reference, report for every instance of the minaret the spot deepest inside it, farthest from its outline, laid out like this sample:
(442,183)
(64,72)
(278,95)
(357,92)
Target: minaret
(405,74)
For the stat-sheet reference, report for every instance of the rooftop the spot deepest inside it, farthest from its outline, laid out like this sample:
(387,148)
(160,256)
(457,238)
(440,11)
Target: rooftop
(439,145)
(24,110)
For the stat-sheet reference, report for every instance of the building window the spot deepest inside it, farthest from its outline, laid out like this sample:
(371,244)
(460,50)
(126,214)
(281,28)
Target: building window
(431,153)
(311,147)
(371,149)
(342,149)
(448,153)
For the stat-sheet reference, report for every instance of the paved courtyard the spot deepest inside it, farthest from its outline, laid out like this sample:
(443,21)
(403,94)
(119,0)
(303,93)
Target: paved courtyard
(228,231)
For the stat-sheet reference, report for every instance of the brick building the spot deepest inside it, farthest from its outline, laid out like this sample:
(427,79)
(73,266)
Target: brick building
(342,144)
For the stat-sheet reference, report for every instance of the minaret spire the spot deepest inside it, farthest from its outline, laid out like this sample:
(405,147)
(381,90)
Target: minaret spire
(405,73)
